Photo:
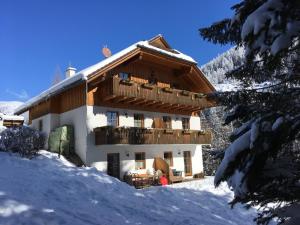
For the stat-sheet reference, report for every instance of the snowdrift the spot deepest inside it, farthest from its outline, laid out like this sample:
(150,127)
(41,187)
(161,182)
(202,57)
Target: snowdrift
(49,190)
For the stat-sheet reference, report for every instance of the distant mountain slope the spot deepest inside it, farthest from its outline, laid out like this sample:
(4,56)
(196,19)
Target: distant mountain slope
(8,107)
(212,118)
(216,69)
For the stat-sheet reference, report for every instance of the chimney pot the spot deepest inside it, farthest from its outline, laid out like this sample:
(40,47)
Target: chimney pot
(70,71)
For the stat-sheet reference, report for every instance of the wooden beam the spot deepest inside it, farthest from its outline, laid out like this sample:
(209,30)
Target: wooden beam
(108,98)
(119,99)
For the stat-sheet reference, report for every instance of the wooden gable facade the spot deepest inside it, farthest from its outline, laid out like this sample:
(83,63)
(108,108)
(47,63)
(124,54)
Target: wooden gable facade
(153,82)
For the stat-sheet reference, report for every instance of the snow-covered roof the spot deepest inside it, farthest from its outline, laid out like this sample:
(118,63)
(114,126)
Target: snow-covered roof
(11,117)
(83,74)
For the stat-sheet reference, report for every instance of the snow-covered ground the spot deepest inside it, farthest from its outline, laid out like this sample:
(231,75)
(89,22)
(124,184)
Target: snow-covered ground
(48,190)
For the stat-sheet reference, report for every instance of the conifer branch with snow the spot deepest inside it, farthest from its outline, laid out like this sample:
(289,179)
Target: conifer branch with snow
(262,164)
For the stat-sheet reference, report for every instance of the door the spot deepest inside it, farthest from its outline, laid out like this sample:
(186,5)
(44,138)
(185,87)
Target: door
(187,163)
(113,164)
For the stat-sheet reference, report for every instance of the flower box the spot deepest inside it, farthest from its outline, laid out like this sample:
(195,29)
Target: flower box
(186,131)
(200,95)
(168,90)
(127,82)
(168,131)
(148,86)
(185,93)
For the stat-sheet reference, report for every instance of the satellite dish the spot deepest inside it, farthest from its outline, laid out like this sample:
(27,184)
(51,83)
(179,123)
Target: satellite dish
(106,52)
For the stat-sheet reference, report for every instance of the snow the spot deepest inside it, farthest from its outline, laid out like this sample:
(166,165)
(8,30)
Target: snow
(216,69)
(8,107)
(49,190)
(83,74)
(174,54)
(239,145)
(268,14)
(10,117)
(47,93)
(277,123)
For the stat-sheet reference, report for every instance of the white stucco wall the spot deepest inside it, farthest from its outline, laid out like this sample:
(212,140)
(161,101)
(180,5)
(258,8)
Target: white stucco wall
(50,122)
(97,118)
(97,156)
(77,118)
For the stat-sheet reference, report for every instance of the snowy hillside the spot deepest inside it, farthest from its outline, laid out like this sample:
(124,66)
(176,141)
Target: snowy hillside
(216,69)
(48,190)
(8,107)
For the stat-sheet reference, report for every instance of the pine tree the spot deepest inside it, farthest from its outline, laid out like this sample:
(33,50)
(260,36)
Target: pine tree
(262,164)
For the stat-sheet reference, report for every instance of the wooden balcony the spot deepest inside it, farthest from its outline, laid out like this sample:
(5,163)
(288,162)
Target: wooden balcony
(135,136)
(149,97)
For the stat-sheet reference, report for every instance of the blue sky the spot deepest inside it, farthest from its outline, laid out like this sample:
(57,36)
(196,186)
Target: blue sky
(39,36)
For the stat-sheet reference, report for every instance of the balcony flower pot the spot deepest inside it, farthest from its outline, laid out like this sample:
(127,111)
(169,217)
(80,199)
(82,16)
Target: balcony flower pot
(202,132)
(149,131)
(168,90)
(186,131)
(168,131)
(200,95)
(185,93)
(127,82)
(148,86)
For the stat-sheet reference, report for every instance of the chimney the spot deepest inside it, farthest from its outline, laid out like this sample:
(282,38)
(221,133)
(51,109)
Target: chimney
(70,71)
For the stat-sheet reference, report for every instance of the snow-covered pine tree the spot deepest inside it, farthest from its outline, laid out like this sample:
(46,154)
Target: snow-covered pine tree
(262,164)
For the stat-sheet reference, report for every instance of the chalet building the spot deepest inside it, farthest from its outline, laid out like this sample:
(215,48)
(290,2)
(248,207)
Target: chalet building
(11,120)
(140,103)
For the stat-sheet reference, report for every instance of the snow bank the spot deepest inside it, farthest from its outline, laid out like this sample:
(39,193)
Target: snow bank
(48,190)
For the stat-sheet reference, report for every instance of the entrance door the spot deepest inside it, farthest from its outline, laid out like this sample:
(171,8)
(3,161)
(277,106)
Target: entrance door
(113,164)
(187,163)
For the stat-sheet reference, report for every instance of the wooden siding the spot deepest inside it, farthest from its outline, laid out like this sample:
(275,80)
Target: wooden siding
(141,72)
(11,123)
(63,102)
(113,92)
(133,135)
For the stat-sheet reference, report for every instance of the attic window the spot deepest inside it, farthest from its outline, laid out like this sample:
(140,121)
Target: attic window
(124,76)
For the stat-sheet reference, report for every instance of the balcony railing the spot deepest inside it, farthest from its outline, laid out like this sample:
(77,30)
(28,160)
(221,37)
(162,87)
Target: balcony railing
(115,90)
(133,135)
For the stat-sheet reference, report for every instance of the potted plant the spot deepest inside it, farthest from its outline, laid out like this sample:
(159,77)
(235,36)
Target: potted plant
(168,131)
(127,82)
(148,86)
(186,131)
(200,95)
(168,90)
(185,93)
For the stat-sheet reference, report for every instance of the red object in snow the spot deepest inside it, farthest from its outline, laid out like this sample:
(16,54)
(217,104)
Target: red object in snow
(163,180)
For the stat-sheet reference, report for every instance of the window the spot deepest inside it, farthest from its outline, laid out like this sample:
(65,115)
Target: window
(185,123)
(168,156)
(152,80)
(112,119)
(140,160)
(124,76)
(167,122)
(40,125)
(138,120)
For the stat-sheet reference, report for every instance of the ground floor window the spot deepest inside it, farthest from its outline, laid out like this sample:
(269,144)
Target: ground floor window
(168,156)
(187,163)
(140,160)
